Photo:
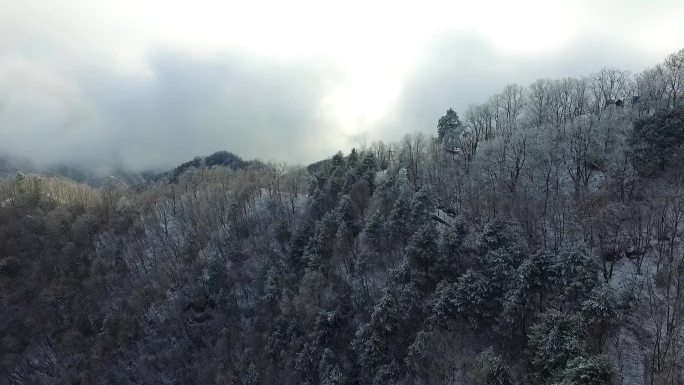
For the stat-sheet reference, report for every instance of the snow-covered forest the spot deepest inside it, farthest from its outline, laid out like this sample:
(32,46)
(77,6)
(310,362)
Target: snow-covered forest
(535,238)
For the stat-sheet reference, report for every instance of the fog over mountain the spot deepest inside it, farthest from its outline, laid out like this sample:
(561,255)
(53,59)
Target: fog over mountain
(146,86)
(341,193)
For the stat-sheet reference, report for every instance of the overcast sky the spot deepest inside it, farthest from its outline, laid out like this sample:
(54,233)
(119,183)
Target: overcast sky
(149,84)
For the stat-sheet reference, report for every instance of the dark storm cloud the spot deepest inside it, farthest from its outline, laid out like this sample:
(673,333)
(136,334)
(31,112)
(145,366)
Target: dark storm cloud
(191,106)
(182,106)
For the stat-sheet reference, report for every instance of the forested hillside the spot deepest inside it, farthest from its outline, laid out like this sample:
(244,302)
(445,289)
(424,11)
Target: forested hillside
(535,239)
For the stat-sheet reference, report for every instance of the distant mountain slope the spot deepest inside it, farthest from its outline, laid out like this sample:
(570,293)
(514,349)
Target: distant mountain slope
(9,166)
(217,159)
